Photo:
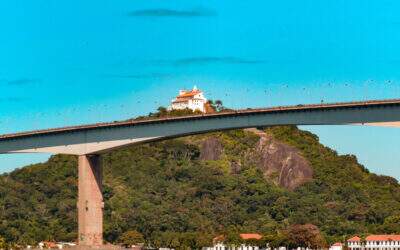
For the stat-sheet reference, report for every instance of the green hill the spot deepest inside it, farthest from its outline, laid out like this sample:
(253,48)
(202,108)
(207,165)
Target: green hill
(243,180)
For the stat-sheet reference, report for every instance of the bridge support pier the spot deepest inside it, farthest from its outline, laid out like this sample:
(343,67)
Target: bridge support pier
(90,201)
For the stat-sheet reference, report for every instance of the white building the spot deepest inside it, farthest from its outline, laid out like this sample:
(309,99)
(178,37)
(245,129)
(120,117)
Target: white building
(336,246)
(375,242)
(219,244)
(189,99)
(354,243)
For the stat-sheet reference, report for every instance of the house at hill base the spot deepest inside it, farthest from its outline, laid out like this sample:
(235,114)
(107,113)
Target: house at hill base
(220,245)
(189,99)
(336,246)
(375,242)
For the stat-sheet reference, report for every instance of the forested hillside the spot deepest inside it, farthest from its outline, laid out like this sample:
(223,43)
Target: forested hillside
(200,186)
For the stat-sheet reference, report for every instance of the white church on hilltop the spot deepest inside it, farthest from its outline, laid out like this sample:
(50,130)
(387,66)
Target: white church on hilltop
(189,99)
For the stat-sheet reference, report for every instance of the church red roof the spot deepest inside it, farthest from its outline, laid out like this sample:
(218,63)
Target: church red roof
(190,93)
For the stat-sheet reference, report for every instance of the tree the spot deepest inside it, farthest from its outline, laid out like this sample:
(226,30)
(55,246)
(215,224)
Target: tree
(391,224)
(307,235)
(274,240)
(231,237)
(170,240)
(219,106)
(194,240)
(130,238)
(3,243)
(203,239)
(183,240)
(162,110)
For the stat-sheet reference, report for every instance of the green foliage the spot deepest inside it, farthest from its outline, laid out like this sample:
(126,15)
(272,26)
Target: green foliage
(130,238)
(163,112)
(343,198)
(182,240)
(276,239)
(231,236)
(391,224)
(3,243)
(38,202)
(217,105)
(165,192)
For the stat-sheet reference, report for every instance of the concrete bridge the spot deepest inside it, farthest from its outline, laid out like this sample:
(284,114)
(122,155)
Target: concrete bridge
(90,141)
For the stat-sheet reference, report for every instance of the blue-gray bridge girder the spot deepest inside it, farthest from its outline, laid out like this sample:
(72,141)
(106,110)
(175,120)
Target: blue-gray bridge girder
(98,138)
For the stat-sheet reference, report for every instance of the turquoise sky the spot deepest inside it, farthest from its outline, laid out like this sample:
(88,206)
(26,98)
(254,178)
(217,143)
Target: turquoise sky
(71,62)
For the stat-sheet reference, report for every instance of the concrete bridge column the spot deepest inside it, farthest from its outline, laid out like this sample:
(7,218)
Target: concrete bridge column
(90,201)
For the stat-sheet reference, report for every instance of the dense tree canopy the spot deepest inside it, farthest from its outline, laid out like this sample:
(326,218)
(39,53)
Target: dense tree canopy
(306,235)
(3,243)
(130,238)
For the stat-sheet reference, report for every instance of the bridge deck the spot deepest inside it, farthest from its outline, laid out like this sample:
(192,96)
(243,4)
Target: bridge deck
(278,109)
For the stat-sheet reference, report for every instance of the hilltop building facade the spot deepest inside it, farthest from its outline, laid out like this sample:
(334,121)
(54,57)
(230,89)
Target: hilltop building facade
(189,99)
(375,242)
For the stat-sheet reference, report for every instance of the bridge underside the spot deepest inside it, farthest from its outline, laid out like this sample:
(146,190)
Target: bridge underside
(385,124)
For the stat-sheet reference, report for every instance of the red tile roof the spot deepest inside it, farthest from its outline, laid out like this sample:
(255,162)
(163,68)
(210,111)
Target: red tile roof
(355,238)
(244,236)
(378,237)
(337,244)
(383,237)
(251,236)
(190,93)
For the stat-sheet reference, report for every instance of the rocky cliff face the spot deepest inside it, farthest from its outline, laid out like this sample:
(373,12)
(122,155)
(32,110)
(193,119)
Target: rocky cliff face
(281,162)
(210,149)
